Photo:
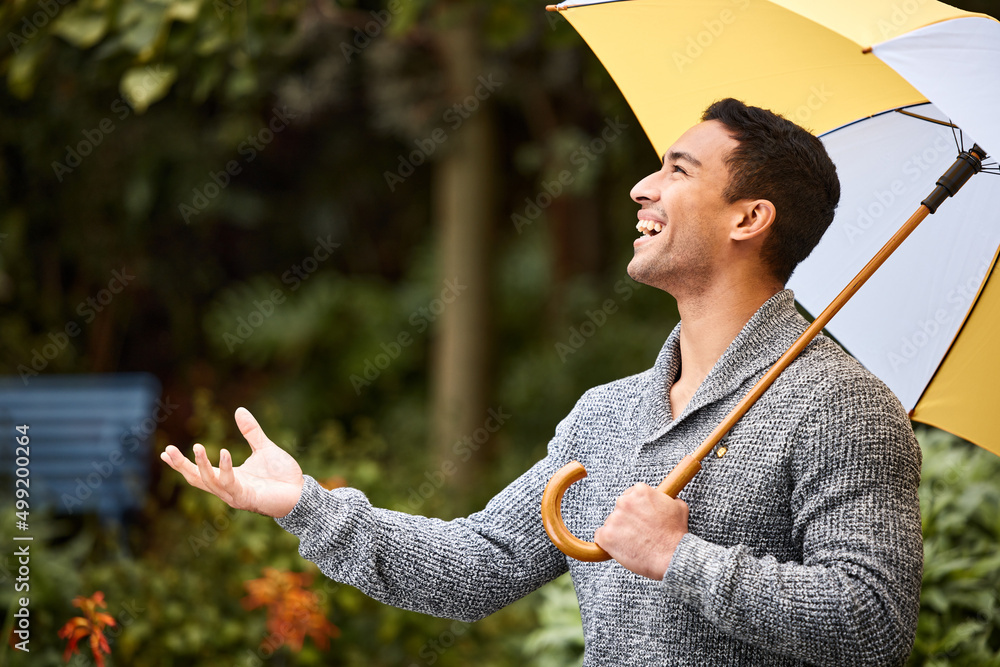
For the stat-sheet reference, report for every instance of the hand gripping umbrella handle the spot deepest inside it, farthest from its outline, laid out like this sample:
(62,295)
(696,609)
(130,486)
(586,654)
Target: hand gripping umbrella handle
(570,544)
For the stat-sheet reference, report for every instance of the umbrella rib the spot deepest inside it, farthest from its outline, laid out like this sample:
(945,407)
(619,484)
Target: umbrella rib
(930,120)
(959,138)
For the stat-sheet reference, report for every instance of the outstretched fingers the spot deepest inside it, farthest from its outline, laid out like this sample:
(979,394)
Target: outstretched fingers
(173,457)
(227,478)
(208,474)
(221,481)
(250,429)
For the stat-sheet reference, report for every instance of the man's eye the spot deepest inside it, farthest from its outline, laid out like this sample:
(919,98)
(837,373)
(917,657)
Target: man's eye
(677,167)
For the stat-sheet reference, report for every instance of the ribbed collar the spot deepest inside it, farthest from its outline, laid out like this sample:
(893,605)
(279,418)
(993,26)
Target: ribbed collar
(763,339)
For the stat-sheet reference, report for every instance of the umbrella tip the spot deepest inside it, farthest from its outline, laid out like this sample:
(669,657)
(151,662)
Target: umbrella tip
(552,8)
(866,50)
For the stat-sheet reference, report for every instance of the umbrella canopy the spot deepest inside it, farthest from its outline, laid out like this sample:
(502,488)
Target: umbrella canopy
(803,59)
(926,322)
(828,65)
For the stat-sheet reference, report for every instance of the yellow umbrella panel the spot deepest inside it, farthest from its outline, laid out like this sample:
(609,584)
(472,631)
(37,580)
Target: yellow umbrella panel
(802,59)
(962,395)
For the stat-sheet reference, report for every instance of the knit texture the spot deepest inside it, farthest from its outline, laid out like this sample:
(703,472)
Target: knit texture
(804,543)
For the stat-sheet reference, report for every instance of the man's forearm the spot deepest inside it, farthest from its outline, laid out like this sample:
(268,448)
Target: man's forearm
(465,569)
(829,615)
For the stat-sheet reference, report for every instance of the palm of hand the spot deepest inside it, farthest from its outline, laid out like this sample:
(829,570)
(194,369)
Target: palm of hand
(269,479)
(269,482)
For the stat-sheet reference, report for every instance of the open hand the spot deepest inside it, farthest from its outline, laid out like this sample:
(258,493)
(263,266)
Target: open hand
(269,482)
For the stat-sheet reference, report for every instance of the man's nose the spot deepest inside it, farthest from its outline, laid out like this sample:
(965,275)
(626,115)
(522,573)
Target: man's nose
(645,190)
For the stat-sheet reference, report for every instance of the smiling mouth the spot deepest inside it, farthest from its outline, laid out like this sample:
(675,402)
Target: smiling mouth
(649,227)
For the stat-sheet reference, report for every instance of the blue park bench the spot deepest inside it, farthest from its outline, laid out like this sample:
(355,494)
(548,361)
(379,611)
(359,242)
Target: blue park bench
(89,437)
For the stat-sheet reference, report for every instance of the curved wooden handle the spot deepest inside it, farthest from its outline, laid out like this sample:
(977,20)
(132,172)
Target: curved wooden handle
(572,472)
(568,543)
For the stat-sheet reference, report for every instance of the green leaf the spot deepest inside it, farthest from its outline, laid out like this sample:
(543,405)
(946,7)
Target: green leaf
(141,24)
(935,599)
(21,73)
(80,27)
(142,86)
(184,10)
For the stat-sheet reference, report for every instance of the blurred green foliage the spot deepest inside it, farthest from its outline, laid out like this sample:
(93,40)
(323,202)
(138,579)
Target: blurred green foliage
(122,121)
(960,601)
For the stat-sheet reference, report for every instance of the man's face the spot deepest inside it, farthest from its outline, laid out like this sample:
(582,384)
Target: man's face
(685,199)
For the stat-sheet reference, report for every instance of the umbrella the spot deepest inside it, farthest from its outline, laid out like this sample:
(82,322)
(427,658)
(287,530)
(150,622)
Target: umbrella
(895,89)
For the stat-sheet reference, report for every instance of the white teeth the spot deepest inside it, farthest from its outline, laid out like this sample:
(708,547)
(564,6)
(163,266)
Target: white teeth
(648,227)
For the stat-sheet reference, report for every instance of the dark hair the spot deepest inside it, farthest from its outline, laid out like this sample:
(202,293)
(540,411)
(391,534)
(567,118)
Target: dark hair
(779,161)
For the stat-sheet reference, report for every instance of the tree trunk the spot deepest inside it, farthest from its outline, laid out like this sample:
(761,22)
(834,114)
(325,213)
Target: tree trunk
(464,197)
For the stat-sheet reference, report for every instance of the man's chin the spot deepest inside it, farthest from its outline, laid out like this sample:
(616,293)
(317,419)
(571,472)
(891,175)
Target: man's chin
(641,274)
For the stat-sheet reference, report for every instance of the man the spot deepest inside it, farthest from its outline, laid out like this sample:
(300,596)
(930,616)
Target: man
(799,544)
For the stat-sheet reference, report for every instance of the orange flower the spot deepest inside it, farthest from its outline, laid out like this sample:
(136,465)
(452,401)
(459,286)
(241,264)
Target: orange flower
(91,624)
(292,611)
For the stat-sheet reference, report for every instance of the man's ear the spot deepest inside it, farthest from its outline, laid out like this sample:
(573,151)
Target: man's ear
(757,217)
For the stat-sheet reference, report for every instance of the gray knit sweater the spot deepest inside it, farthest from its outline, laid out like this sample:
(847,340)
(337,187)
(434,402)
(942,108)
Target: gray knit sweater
(804,543)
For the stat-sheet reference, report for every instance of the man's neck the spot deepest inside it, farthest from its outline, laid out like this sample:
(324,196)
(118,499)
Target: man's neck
(709,323)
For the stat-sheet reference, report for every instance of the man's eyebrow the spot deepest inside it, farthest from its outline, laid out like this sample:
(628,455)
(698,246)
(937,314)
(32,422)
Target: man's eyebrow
(673,156)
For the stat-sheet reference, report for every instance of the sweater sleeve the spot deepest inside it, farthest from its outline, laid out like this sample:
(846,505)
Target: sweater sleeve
(464,569)
(854,598)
